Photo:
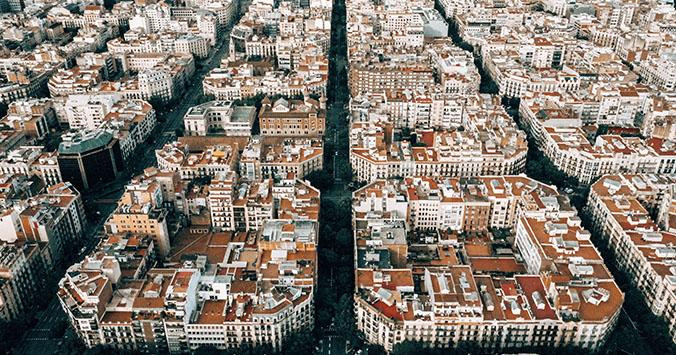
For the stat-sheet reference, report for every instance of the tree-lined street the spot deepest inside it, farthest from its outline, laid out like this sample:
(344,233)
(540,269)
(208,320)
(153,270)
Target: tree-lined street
(46,335)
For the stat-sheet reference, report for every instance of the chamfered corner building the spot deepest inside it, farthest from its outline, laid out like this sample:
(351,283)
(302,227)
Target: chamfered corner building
(90,158)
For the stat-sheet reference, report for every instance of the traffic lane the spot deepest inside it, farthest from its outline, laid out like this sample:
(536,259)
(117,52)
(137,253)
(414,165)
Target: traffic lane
(332,345)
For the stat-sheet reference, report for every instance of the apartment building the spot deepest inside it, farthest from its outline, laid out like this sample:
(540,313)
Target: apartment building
(182,64)
(143,219)
(20,81)
(120,300)
(220,118)
(29,161)
(295,33)
(76,80)
(292,118)
(622,207)
(237,80)
(659,120)
(214,159)
(148,85)
(47,168)
(119,15)
(299,157)
(412,109)
(87,110)
(163,41)
(132,121)
(452,283)
(375,154)
(33,116)
(23,267)
(160,188)
(558,132)
(105,60)
(222,190)
(87,288)
(11,139)
(53,219)
(515,79)
(454,66)
(659,71)
(620,105)
(246,205)
(372,75)
(20,160)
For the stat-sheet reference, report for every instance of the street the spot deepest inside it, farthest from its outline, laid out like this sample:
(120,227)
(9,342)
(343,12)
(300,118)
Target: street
(41,339)
(44,337)
(332,345)
(164,132)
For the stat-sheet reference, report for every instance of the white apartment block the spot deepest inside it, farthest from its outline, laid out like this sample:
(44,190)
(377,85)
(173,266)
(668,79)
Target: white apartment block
(234,83)
(179,309)
(557,131)
(298,157)
(374,154)
(167,42)
(621,207)
(220,201)
(659,71)
(660,117)
(148,85)
(76,80)
(517,80)
(92,14)
(213,160)
(28,161)
(219,117)
(547,299)
(87,111)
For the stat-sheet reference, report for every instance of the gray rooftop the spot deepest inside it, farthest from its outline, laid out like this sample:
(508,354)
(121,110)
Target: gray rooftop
(79,142)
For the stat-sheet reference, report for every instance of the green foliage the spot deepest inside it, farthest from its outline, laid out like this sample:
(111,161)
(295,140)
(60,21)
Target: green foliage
(373,349)
(244,349)
(12,331)
(320,179)
(108,4)
(203,98)
(344,240)
(161,106)
(107,350)
(302,342)
(345,322)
